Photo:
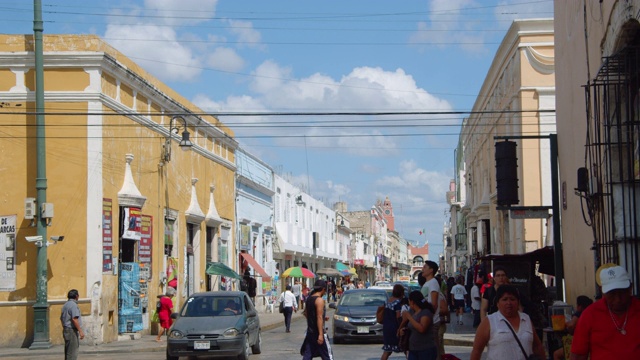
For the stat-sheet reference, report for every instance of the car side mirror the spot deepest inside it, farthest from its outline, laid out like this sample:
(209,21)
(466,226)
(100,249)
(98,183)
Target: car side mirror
(175,315)
(332,305)
(252,313)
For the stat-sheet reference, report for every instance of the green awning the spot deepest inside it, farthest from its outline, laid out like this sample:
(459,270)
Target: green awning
(218,268)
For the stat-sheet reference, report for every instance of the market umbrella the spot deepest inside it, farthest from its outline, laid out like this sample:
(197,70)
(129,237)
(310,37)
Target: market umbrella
(340,266)
(328,272)
(349,273)
(218,268)
(298,272)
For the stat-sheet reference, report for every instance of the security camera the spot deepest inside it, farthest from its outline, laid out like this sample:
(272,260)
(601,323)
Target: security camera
(33,238)
(57,238)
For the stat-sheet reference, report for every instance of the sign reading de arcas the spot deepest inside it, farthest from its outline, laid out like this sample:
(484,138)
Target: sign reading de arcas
(7,252)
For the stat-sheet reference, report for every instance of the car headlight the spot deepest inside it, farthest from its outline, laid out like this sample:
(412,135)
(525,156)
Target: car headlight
(230,333)
(341,318)
(175,334)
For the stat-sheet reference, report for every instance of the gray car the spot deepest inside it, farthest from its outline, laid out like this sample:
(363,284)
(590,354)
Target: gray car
(355,315)
(215,324)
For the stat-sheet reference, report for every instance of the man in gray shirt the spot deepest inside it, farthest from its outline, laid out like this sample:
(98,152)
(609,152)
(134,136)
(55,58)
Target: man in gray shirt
(71,325)
(296,289)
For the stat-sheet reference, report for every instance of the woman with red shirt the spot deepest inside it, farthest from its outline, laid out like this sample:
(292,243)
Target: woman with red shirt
(164,313)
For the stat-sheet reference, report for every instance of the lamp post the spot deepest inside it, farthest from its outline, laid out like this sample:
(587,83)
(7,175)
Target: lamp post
(41,307)
(185,144)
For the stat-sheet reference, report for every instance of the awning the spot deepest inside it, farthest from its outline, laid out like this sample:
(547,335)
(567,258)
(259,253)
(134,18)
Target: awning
(254,264)
(544,257)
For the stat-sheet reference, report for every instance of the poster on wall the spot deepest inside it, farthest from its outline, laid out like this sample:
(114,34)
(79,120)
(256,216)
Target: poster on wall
(146,241)
(7,252)
(132,223)
(107,239)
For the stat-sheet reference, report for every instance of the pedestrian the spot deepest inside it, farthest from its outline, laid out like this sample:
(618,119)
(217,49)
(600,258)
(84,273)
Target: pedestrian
(71,325)
(507,333)
(458,295)
(391,315)
(304,296)
(422,341)
(164,312)
(316,341)
(251,285)
(290,305)
(475,303)
(582,302)
(610,327)
(296,289)
(431,291)
(488,304)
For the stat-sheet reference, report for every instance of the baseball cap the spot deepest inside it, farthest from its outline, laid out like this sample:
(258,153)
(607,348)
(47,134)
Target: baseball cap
(319,284)
(615,277)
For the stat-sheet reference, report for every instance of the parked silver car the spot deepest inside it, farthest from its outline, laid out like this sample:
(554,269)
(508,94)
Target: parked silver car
(219,324)
(355,315)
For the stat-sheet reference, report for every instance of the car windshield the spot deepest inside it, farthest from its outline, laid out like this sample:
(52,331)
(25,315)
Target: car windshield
(212,306)
(363,299)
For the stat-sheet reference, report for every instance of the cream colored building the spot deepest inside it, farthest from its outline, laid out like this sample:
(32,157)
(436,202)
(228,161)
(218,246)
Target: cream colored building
(598,67)
(519,83)
(107,124)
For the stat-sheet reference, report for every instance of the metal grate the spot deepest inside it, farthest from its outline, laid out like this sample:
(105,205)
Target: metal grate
(613,159)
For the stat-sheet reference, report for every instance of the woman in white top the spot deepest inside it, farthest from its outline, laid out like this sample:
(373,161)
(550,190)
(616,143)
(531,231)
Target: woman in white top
(495,333)
(290,305)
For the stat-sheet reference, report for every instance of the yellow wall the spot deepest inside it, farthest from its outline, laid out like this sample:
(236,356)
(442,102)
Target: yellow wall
(69,185)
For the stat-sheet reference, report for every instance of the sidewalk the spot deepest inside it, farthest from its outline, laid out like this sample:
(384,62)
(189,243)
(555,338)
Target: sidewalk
(143,343)
(456,335)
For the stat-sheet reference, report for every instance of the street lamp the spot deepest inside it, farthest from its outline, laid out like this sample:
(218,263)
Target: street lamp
(185,144)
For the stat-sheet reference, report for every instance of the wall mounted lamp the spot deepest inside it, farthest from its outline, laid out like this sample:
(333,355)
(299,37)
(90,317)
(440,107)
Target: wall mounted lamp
(185,144)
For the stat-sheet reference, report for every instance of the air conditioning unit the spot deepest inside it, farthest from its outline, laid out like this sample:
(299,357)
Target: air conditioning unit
(29,208)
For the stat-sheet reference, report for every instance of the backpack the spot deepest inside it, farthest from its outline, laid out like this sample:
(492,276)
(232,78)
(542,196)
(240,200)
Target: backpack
(244,286)
(158,306)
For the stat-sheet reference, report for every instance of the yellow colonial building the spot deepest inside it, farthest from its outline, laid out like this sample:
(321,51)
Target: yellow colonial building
(137,213)
(516,100)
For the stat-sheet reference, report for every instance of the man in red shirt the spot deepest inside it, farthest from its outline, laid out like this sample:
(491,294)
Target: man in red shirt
(610,328)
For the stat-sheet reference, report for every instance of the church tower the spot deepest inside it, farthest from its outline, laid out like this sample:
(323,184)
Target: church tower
(388,214)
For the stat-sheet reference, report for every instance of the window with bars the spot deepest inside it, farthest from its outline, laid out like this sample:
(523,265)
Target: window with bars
(612,155)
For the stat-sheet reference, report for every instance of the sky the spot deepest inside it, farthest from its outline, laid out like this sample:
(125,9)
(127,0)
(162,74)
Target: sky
(315,88)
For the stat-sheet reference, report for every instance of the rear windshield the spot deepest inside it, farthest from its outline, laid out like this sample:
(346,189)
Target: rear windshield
(212,306)
(363,299)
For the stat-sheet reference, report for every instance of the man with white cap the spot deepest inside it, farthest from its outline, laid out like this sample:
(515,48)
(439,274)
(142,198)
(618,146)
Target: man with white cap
(610,328)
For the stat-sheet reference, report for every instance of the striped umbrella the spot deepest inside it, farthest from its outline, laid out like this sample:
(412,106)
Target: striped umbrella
(298,272)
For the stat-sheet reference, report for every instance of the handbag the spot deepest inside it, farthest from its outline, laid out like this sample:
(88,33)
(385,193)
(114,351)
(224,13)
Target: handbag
(530,357)
(281,307)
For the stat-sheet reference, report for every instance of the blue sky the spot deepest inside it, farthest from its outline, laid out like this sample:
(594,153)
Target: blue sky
(318,57)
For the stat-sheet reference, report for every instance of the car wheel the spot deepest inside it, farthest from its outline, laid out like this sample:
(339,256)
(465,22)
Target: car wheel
(169,357)
(245,349)
(255,349)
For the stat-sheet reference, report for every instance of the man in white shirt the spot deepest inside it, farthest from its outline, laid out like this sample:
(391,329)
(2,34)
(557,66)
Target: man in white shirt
(458,292)
(296,289)
(431,292)
(290,305)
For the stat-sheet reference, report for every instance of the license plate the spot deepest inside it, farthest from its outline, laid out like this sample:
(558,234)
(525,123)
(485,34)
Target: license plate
(201,345)
(363,329)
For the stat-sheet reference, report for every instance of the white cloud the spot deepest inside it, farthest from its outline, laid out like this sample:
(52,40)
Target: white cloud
(174,61)
(226,59)
(246,34)
(432,184)
(181,12)
(447,25)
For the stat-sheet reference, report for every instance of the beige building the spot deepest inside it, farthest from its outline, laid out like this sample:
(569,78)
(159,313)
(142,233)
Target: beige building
(519,87)
(598,67)
(132,207)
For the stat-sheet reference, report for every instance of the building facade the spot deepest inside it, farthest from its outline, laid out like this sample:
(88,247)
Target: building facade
(135,211)
(254,214)
(516,100)
(598,137)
